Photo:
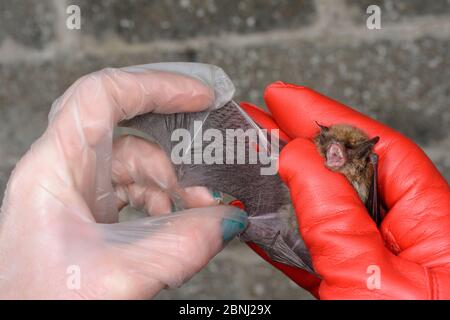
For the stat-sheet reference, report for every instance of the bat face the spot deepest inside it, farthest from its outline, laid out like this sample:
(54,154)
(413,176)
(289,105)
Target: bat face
(344,147)
(349,151)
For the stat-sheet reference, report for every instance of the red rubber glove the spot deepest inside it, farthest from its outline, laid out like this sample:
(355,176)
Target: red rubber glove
(409,256)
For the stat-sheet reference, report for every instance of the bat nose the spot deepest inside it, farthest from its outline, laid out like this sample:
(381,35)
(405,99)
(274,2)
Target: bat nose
(335,155)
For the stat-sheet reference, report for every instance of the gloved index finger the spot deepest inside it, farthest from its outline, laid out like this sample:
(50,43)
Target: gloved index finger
(81,122)
(118,94)
(298,109)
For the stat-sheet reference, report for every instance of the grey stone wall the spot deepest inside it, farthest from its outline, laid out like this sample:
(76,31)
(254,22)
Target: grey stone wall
(399,75)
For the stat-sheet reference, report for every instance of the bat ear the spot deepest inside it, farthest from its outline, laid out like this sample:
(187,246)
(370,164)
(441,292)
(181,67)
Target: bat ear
(322,127)
(364,148)
(374,140)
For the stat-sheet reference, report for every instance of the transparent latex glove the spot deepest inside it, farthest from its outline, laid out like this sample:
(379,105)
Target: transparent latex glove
(59,235)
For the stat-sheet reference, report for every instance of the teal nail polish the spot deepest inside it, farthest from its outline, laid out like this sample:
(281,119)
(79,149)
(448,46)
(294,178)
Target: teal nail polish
(176,203)
(217,196)
(232,226)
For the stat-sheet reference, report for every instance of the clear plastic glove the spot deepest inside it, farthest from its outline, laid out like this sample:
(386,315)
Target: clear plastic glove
(59,236)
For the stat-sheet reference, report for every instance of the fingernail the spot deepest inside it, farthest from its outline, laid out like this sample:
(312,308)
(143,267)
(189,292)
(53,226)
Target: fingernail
(176,203)
(232,226)
(217,196)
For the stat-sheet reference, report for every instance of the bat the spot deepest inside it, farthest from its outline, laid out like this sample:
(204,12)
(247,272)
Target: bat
(272,221)
(349,151)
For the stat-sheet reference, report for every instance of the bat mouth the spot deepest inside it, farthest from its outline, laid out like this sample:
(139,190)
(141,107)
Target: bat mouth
(336,156)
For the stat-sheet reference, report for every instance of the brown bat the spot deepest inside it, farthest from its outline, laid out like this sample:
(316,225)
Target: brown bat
(272,221)
(349,151)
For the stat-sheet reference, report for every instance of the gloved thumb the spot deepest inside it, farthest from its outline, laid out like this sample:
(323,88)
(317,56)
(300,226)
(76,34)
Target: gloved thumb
(167,250)
(333,221)
(345,244)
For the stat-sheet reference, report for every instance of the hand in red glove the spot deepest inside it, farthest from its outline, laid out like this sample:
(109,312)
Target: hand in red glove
(409,256)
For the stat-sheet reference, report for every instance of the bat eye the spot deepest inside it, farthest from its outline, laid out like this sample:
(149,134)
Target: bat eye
(323,139)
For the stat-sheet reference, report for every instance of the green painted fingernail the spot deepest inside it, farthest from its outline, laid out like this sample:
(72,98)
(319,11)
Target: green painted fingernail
(232,226)
(217,196)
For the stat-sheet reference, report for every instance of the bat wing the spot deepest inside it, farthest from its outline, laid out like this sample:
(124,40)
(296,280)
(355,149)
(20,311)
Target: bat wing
(262,195)
(373,202)
(278,235)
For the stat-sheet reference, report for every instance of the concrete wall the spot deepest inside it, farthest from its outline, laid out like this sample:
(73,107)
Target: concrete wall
(399,75)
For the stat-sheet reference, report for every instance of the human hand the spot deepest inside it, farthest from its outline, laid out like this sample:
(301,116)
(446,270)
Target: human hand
(409,256)
(59,236)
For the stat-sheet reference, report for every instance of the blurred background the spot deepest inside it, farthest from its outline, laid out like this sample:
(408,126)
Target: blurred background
(399,74)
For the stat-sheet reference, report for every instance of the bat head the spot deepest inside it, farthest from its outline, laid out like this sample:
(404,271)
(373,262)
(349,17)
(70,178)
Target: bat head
(344,146)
